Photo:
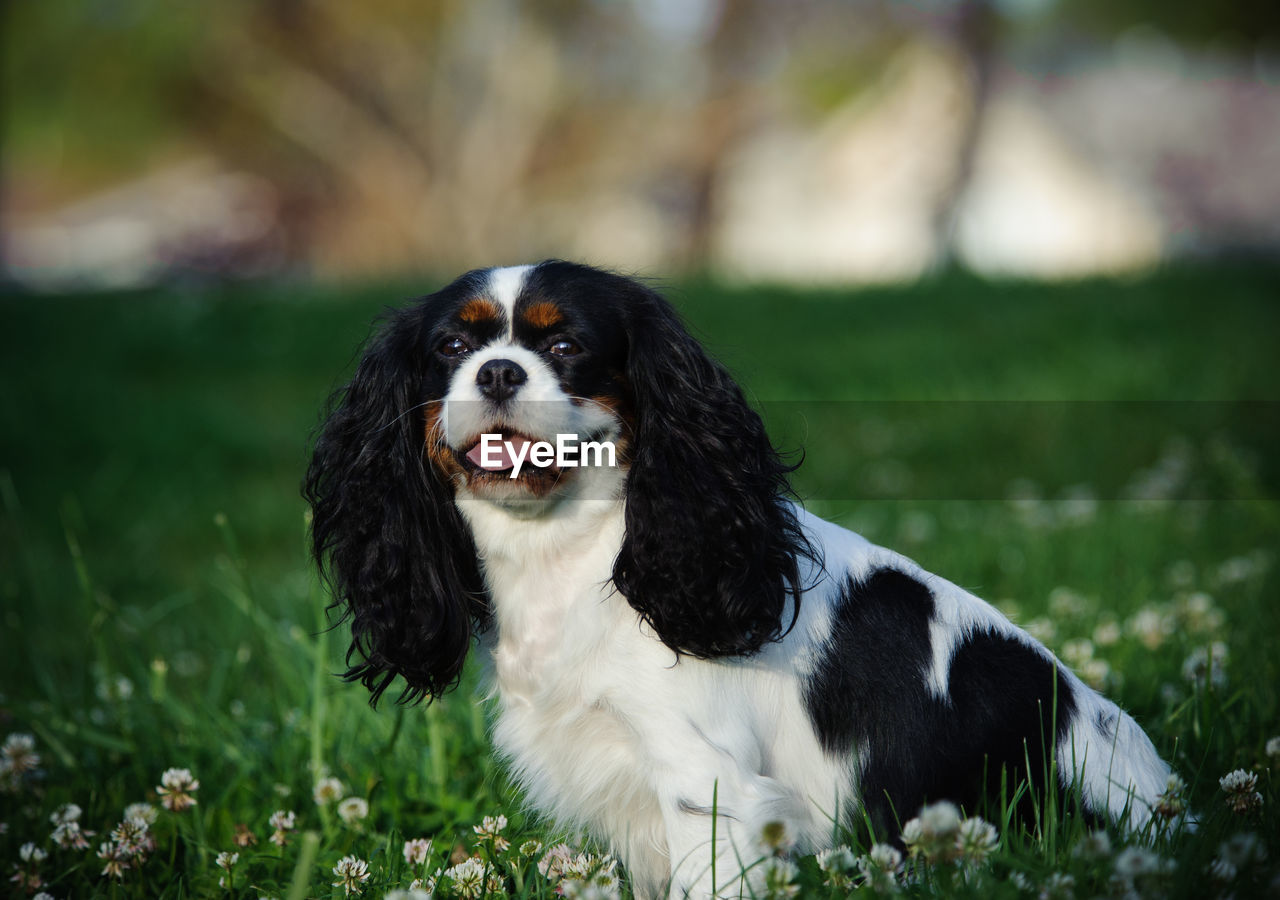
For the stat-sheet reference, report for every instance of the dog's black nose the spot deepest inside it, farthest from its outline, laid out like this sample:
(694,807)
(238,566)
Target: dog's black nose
(499,378)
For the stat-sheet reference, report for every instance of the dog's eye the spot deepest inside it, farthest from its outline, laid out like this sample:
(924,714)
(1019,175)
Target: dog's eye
(564,347)
(454,346)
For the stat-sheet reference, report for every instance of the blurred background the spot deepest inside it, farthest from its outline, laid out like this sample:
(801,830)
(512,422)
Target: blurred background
(808,140)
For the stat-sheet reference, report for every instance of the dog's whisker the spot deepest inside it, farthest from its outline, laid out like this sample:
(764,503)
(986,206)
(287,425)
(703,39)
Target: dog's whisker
(412,409)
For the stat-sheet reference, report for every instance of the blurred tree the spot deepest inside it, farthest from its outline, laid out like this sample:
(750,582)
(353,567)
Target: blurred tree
(973,30)
(1242,23)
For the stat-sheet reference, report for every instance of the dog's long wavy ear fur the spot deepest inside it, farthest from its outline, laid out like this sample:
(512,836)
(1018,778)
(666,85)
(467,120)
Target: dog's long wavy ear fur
(384,529)
(711,553)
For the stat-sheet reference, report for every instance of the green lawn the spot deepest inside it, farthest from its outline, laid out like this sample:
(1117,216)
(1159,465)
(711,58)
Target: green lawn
(1100,458)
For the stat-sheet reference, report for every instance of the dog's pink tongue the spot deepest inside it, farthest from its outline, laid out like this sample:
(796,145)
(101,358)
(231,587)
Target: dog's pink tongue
(498,450)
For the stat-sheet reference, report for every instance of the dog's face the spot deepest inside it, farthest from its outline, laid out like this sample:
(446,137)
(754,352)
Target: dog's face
(525,360)
(710,549)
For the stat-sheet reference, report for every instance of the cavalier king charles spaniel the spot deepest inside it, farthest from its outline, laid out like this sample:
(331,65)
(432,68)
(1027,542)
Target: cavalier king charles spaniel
(680,654)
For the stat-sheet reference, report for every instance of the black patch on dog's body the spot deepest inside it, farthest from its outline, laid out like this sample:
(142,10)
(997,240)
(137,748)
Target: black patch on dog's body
(869,695)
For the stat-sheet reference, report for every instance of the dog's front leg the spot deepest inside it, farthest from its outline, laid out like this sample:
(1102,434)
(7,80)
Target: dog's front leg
(722,832)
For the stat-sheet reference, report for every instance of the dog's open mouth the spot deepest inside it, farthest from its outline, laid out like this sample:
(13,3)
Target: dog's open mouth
(506,458)
(503,456)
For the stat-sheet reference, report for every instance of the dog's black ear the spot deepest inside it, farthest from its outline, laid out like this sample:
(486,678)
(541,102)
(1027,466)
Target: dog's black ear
(384,529)
(712,547)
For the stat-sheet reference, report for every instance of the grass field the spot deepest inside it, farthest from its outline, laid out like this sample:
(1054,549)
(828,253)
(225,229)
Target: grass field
(1098,458)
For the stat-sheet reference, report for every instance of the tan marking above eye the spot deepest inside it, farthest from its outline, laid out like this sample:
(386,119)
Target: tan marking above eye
(543,315)
(479,310)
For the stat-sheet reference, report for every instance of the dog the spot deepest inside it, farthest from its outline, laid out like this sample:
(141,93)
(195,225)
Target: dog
(680,654)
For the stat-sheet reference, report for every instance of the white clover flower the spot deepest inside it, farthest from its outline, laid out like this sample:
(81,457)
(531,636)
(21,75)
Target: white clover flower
(1207,665)
(490,825)
(879,868)
(975,839)
(1200,614)
(1240,787)
(1151,625)
(1171,803)
(416,851)
(555,862)
(1243,850)
(932,834)
(1078,506)
(912,833)
(490,831)
(836,860)
(144,811)
(581,874)
(1273,747)
(1042,629)
(1064,603)
(1238,854)
(1222,869)
(586,867)
(227,860)
(115,857)
(779,874)
(131,836)
(352,872)
(940,818)
(1094,845)
(18,745)
(1134,862)
(327,790)
(67,812)
(30,853)
(1242,568)
(775,839)
(1077,651)
(18,756)
(468,877)
(530,848)
(283,821)
(1095,673)
(1058,886)
(176,788)
(885,856)
(117,688)
(70,836)
(1107,633)
(353,810)
(589,890)
(427,885)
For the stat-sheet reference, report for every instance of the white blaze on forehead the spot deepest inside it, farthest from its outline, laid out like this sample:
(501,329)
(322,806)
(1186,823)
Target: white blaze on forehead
(504,287)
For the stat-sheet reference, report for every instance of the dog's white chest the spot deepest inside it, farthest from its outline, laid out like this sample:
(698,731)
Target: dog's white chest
(568,738)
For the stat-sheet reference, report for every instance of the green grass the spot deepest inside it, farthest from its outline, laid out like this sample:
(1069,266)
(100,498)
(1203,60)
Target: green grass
(159,609)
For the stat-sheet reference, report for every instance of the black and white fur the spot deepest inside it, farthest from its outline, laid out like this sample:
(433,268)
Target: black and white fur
(670,641)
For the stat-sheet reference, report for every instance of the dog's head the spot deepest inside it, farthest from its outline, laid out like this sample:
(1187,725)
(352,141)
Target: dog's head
(450,401)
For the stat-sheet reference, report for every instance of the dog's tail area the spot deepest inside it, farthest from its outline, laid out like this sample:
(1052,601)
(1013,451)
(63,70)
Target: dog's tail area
(1110,761)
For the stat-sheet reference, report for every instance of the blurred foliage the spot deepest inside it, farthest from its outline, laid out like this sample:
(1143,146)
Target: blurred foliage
(1241,23)
(95,86)
(390,133)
